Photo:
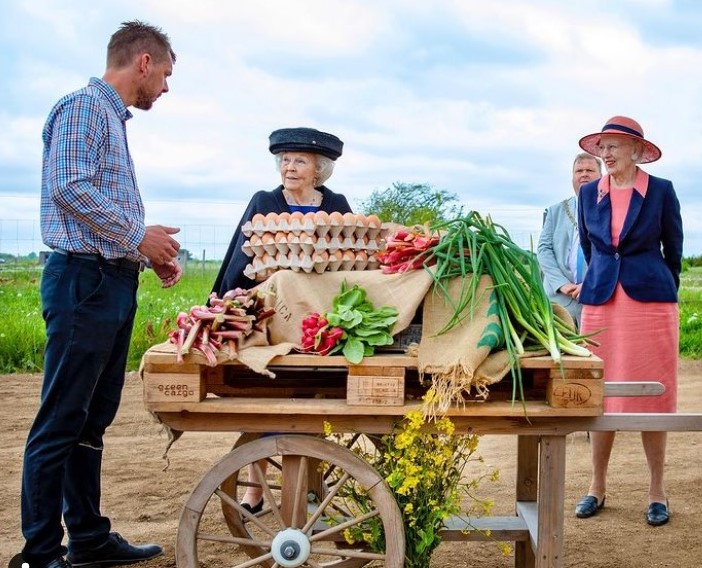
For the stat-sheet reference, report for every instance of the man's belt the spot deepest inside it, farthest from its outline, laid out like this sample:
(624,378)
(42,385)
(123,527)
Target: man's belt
(121,263)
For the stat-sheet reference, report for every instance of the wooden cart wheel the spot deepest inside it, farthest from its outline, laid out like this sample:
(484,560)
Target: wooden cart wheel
(295,528)
(320,479)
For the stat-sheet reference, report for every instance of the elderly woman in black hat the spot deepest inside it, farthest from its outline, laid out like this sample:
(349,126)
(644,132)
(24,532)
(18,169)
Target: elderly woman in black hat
(305,159)
(632,238)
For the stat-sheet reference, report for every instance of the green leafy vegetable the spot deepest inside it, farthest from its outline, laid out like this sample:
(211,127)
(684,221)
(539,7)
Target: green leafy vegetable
(364,326)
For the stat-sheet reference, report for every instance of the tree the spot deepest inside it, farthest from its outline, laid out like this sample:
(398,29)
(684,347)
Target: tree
(412,204)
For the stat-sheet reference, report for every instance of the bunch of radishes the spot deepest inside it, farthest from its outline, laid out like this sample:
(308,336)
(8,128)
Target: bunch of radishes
(221,325)
(408,249)
(318,336)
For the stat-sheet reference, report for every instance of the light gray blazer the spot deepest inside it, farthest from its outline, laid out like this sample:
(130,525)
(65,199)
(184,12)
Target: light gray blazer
(553,250)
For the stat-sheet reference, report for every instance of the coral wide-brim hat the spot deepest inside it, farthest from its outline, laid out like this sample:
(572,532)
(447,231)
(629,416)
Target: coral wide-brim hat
(624,126)
(305,140)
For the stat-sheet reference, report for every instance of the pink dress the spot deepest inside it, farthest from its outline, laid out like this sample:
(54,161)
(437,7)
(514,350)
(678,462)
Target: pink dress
(638,340)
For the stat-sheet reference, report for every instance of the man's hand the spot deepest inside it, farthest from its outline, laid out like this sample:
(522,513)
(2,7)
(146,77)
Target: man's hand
(571,289)
(169,273)
(158,245)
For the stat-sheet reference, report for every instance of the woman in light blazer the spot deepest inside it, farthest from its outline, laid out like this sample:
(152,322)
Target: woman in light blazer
(632,238)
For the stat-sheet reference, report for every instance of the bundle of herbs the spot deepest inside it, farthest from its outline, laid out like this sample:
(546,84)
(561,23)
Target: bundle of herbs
(473,246)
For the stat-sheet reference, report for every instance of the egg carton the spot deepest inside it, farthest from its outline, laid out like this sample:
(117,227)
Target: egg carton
(319,223)
(262,267)
(282,242)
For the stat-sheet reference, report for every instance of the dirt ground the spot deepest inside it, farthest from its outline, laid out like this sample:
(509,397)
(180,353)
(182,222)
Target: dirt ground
(144,501)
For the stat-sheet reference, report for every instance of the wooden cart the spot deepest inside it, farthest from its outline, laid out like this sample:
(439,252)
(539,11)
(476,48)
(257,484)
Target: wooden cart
(307,510)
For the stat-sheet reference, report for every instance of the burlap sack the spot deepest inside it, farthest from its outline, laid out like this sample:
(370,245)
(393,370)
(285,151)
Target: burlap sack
(295,295)
(459,360)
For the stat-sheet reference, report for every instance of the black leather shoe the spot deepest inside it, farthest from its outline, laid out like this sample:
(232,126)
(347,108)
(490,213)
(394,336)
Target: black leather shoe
(658,514)
(58,563)
(115,552)
(253,509)
(588,507)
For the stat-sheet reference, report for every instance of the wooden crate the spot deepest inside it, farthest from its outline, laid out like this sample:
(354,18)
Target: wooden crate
(382,386)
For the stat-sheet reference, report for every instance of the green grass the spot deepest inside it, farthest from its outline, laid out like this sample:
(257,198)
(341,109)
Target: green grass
(691,313)
(22,333)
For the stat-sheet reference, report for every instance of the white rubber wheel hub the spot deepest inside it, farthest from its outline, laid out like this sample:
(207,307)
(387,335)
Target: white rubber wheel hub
(290,547)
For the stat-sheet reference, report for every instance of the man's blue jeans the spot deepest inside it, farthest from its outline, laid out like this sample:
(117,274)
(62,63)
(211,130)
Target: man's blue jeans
(89,308)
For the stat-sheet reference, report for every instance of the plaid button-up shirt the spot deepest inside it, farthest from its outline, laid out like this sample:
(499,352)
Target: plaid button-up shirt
(90,199)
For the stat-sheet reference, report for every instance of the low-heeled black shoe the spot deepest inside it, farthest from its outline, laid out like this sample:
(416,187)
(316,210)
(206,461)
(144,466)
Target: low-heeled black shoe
(253,509)
(658,514)
(115,552)
(588,507)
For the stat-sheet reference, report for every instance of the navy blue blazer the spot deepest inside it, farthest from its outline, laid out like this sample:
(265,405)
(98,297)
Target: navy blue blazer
(648,259)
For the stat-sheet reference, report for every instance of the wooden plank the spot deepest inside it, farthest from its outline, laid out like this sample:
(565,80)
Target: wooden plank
(505,529)
(169,387)
(527,489)
(552,465)
(567,361)
(529,513)
(633,388)
(164,354)
(293,407)
(377,423)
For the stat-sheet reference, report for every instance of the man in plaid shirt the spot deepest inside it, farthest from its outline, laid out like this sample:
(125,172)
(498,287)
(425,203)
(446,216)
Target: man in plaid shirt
(92,216)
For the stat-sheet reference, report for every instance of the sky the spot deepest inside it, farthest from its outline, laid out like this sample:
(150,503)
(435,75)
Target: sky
(483,99)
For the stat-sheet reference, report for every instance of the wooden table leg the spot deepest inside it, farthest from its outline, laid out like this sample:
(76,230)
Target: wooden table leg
(552,460)
(526,491)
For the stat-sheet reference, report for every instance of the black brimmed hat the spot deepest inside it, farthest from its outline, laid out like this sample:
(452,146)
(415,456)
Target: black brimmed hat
(305,140)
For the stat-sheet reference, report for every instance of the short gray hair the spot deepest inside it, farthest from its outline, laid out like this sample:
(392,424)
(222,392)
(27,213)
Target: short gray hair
(587,156)
(323,170)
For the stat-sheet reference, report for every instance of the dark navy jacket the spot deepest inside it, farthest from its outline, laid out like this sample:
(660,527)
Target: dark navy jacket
(648,259)
(231,273)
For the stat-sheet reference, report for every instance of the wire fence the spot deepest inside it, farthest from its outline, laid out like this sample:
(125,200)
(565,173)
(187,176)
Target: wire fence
(204,242)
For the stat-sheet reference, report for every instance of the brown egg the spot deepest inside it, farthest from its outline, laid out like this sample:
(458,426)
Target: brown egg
(271,218)
(321,218)
(336,218)
(284,221)
(267,238)
(349,219)
(361,220)
(373,221)
(296,216)
(258,218)
(255,240)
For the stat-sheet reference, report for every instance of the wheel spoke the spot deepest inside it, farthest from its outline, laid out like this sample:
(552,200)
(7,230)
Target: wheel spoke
(300,495)
(347,553)
(268,496)
(323,505)
(343,526)
(243,512)
(234,540)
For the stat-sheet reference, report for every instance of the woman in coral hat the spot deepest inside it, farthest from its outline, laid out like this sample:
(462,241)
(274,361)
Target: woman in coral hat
(632,237)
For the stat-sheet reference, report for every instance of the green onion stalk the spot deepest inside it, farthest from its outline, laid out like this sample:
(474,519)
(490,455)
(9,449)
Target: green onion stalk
(471,245)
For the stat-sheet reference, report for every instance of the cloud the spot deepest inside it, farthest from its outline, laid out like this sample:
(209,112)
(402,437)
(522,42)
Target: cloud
(483,99)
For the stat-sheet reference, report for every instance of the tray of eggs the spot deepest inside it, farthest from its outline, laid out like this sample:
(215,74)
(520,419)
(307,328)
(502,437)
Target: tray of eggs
(311,242)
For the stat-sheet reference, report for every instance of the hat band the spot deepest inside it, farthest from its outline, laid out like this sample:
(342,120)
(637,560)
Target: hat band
(622,129)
